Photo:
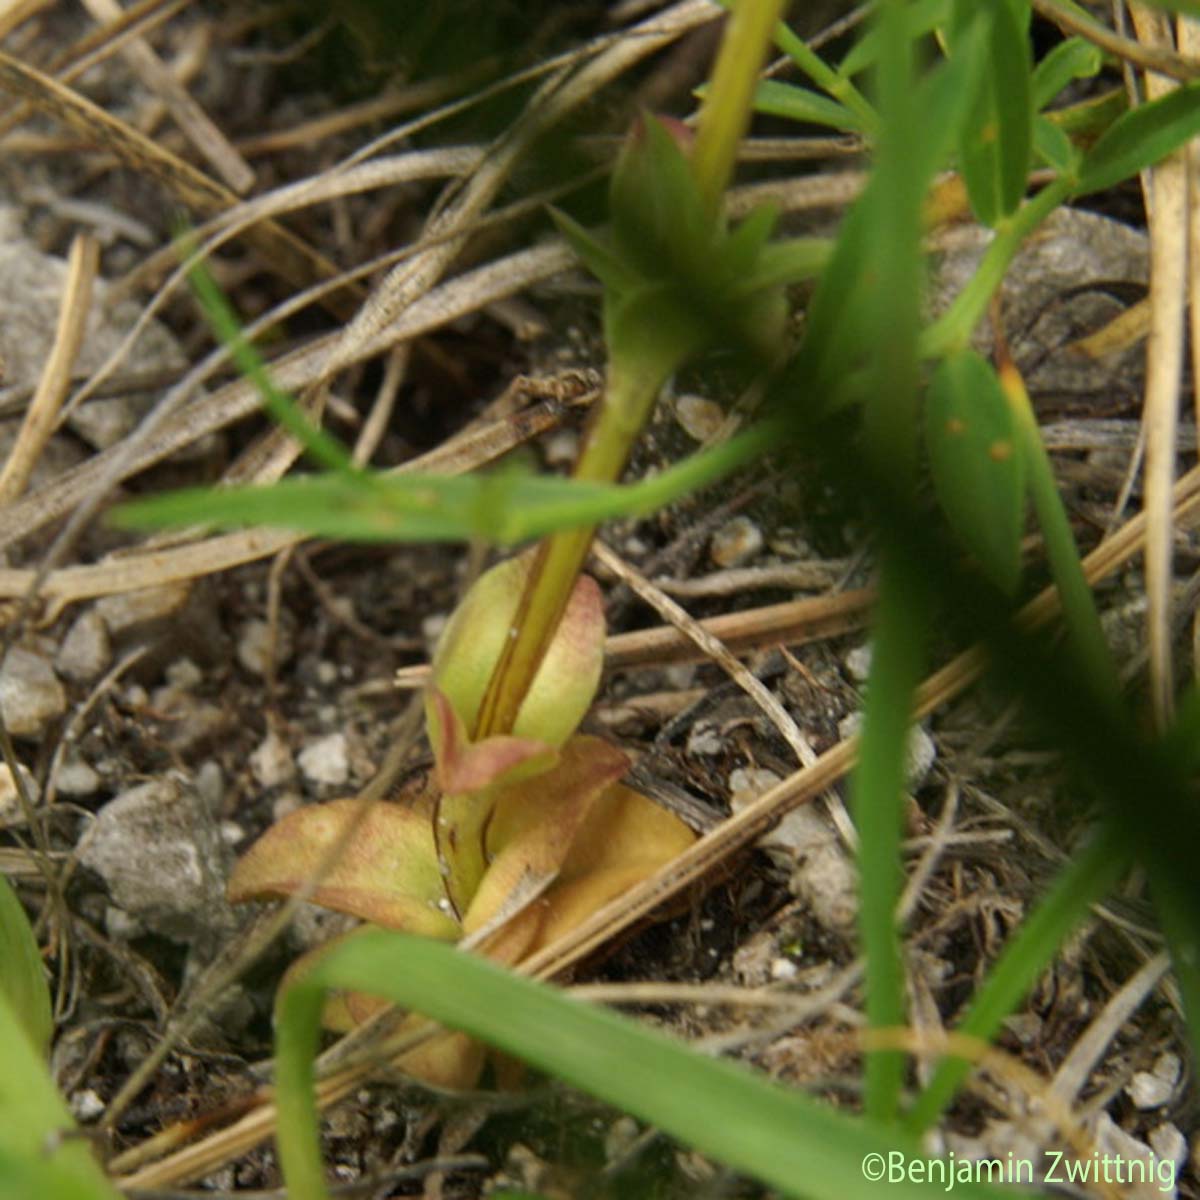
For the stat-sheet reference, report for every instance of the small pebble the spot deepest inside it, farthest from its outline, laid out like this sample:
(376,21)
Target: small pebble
(704,740)
(327,673)
(432,626)
(699,418)
(1153,1088)
(746,784)
(784,968)
(284,803)
(10,801)
(271,761)
(86,1105)
(86,650)
(77,779)
(210,785)
(254,649)
(30,693)
(1168,1143)
(183,674)
(922,752)
(735,542)
(325,761)
(142,607)
(858,663)
(561,448)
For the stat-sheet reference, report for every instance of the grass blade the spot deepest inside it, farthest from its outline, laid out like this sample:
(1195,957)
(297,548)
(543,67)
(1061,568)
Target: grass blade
(795,1144)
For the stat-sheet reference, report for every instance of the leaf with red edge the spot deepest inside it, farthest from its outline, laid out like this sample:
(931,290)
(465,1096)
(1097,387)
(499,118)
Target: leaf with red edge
(387,872)
(534,823)
(466,766)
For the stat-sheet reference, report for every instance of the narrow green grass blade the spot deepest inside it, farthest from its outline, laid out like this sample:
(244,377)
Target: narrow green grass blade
(1087,877)
(502,507)
(876,798)
(802,104)
(1140,138)
(325,450)
(22,979)
(890,432)
(34,1153)
(789,1141)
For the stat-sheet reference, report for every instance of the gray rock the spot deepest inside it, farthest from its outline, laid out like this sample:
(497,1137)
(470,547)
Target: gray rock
(30,693)
(1047,303)
(132,613)
(86,650)
(29,303)
(159,851)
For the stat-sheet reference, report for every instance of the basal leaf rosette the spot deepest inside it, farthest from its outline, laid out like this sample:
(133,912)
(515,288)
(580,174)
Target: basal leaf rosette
(523,838)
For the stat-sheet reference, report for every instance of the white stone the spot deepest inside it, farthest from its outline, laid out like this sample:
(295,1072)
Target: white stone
(735,542)
(86,1104)
(325,761)
(30,693)
(1168,1143)
(746,784)
(86,650)
(825,877)
(1148,1091)
(183,674)
(922,752)
(704,739)
(77,779)
(784,968)
(271,762)
(698,417)
(1153,1088)
(11,810)
(255,650)
(858,663)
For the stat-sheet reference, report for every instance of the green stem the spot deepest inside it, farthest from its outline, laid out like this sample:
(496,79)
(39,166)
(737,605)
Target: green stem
(727,106)
(628,401)
(633,384)
(825,77)
(952,331)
